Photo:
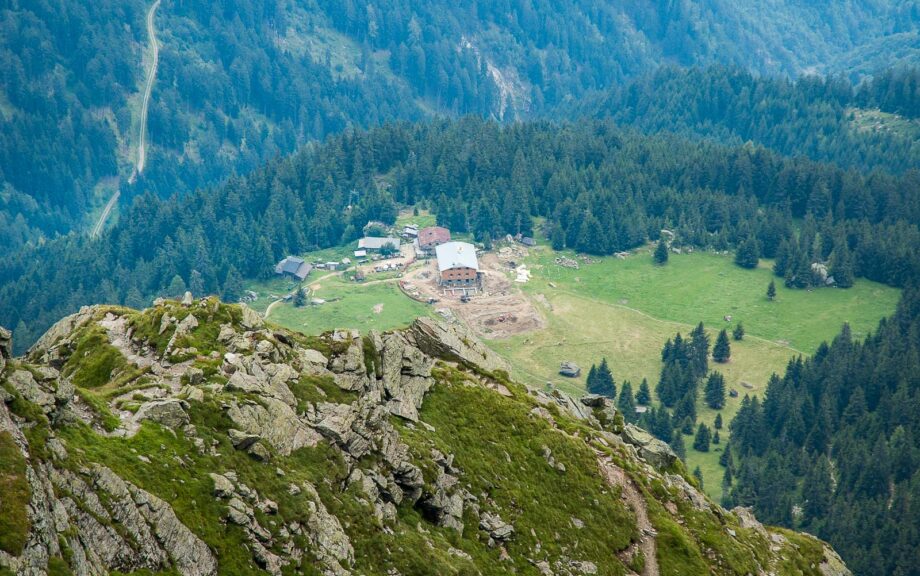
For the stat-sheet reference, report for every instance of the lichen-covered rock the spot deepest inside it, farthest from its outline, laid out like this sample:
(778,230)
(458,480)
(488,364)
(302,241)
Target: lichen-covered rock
(6,347)
(170,412)
(453,342)
(650,449)
(275,422)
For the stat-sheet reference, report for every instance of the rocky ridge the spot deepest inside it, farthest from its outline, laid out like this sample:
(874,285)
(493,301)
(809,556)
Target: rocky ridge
(194,438)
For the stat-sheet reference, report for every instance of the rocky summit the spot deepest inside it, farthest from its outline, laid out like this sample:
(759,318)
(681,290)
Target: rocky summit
(194,439)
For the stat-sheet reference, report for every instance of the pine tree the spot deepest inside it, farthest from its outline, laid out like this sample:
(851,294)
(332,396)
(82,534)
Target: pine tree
(702,439)
(699,346)
(715,393)
(644,395)
(715,437)
(738,332)
(771,291)
(726,458)
(841,265)
(677,445)
(721,352)
(176,287)
(661,252)
(748,253)
(718,421)
(626,404)
(698,474)
(300,297)
(591,380)
(605,384)
(233,286)
(134,299)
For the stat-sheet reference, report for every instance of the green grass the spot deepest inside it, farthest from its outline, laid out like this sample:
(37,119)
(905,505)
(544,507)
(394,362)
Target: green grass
(624,310)
(354,308)
(424,219)
(14,497)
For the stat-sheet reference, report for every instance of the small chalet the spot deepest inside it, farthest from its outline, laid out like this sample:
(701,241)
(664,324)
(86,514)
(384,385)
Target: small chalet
(410,231)
(431,237)
(457,264)
(374,243)
(294,267)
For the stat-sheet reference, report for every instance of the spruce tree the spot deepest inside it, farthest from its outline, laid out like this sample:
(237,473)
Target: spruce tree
(233,286)
(726,458)
(644,395)
(702,439)
(591,380)
(715,393)
(748,253)
(715,437)
(718,421)
(698,474)
(677,444)
(176,287)
(605,384)
(738,332)
(699,346)
(721,352)
(661,252)
(771,291)
(626,404)
(300,297)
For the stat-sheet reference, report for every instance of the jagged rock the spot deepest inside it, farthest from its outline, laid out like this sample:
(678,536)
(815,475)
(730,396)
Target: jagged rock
(165,322)
(23,382)
(169,412)
(187,299)
(223,487)
(833,564)
(194,375)
(453,342)
(747,520)
(241,440)
(275,422)
(696,499)
(6,347)
(259,452)
(650,449)
(348,369)
(444,507)
(594,400)
(261,385)
(251,319)
(333,548)
(64,328)
(495,526)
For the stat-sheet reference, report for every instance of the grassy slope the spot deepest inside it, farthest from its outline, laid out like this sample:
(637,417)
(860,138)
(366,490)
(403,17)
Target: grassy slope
(626,309)
(14,497)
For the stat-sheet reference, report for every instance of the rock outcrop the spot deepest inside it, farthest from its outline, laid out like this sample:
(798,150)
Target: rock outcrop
(6,347)
(220,439)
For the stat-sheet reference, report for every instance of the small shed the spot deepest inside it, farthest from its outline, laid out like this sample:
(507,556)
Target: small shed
(294,267)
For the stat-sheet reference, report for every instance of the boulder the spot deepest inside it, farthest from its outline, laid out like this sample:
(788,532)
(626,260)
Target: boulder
(650,449)
(275,422)
(594,400)
(453,342)
(495,526)
(169,412)
(64,328)
(241,440)
(24,383)
(187,299)
(223,487)
(251,319)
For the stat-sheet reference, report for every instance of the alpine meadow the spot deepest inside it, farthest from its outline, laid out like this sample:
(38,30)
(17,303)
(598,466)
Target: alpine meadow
(414,288)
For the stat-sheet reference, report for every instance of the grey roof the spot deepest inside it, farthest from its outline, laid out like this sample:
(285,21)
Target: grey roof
(294,266)
(375,243)
(456,255)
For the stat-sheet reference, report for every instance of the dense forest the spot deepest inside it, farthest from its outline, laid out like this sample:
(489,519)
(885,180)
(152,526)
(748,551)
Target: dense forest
(824,118)
(832,448)
(241,82)
(602,189)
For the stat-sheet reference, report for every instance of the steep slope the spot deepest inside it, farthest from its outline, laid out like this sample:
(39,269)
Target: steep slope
(193,439)
(243,82)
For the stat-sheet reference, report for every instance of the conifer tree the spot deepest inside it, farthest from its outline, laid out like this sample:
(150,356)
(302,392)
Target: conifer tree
(715,437)
(661,252)
(605,383)
(721,352)
(726,458)
(718,421)
(176,287)
(626,404)
(698,474)
(702,439)
(677,444)
(644,395)
(300,297)
(738,332)
(233,286)
(699,345)
(771,291)
(748,253)
(714,393)
(591,380)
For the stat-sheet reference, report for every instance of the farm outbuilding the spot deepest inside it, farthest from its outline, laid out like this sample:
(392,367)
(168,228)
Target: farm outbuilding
(294,267)
(431,237)
(376,243)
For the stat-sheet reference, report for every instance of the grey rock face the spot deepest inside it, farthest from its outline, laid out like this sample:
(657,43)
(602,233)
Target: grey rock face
(169,412)
(453,342)
(275,422)
(650,449)
(495,526)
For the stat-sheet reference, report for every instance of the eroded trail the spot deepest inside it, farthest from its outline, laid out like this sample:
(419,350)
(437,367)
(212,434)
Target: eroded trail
(615,476)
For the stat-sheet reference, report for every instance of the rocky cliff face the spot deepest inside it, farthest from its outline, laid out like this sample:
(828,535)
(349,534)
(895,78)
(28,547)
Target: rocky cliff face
(193,439)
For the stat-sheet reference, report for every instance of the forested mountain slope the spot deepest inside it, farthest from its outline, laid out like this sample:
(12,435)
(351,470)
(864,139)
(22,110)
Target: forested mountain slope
(240,82)
(832,448)
(873,125)
(194,439)
(601,188)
